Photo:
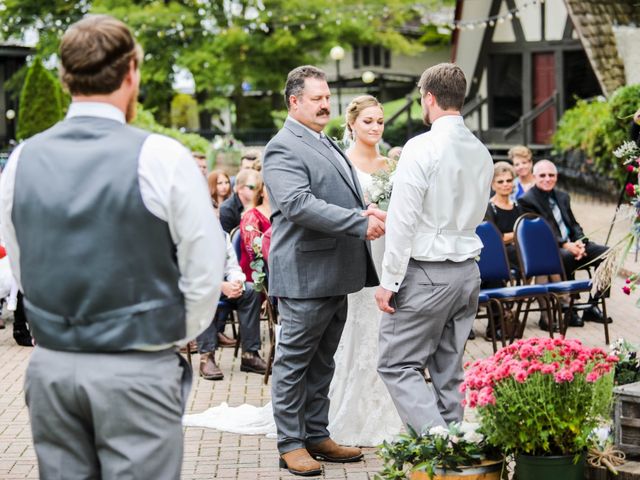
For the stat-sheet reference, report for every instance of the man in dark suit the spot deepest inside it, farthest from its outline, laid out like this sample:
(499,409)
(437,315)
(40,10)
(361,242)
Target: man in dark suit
(555,207)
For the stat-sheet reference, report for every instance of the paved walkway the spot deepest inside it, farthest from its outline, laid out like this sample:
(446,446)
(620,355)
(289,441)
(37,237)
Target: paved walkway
(211,454)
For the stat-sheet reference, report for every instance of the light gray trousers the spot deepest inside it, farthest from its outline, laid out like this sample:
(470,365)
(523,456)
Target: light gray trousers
(435,308)
(303,368)
(107,415)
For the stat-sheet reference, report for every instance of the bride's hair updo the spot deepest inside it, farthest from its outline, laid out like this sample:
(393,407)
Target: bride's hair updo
(354,109)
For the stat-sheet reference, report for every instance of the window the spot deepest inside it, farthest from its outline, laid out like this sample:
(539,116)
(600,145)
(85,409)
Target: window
(371,56)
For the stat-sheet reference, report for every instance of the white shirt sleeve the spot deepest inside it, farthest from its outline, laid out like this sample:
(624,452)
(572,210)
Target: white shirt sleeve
(232,270)
(410,185)
(173,189)
(7,184)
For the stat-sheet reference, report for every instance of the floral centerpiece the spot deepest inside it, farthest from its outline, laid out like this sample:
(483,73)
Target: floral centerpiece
(437,451)
(541,396)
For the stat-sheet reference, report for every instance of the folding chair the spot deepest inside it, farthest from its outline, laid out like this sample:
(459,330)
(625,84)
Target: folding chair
(538,254)
(494,266)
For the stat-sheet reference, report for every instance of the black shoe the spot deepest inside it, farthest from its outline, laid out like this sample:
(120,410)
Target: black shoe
(472,335)
(488,336)
(22,337)
(544,325)
(593,314)
(571,318)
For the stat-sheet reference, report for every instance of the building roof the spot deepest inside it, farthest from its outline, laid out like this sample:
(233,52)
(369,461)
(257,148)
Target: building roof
(594,21)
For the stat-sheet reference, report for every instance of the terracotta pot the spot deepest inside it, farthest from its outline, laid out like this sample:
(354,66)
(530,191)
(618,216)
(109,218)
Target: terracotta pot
(487,470)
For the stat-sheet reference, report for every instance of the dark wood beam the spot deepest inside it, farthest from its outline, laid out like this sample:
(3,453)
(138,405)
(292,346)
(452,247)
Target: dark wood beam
(481,63)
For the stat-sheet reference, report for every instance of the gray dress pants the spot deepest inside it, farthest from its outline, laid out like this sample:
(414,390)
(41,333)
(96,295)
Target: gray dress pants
(107,415)
(303,368)
(435,308)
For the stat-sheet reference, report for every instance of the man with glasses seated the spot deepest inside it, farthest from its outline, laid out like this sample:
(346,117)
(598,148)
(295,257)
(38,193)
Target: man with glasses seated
(242,198)
(555,207)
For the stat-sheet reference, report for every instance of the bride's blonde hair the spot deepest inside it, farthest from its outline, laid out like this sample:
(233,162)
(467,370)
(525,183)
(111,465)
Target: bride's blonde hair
(354,109)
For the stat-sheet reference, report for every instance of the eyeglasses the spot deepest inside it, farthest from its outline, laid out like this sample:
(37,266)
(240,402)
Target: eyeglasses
(508,180)
(419,101)
(545,175)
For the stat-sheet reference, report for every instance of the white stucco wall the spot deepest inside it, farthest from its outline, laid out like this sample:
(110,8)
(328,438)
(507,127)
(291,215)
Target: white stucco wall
(628,39)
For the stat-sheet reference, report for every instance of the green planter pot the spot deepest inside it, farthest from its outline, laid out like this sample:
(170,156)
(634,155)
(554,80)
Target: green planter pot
(533,467)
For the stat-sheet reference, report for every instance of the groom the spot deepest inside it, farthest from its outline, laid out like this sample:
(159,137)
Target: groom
(430,279)
(319,253)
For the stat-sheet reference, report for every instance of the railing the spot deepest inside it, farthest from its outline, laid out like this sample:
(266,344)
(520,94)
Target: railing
(475,106)
(531,115)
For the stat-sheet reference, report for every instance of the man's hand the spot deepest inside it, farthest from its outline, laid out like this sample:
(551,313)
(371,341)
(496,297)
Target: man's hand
(232,289)
(375,227)
(374,210)
(577,249)
(383,297)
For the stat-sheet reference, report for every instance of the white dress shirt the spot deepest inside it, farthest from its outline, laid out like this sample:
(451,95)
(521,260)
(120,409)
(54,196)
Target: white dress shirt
(172,189)
(440,192)
(232,270)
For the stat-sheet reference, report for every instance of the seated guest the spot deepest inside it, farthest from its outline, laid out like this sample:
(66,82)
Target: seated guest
(219,188)
(522,160)
(247,302)
(502,211)
(250,160)
(242,198)
(394,153)
(255,222)
(555,207)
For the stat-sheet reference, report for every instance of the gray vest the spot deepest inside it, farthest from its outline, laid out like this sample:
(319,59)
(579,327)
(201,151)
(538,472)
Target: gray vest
(99,271)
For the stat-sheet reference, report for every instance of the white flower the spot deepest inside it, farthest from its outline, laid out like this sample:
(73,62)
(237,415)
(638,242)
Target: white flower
(473,437)
(439,431)
(467,427)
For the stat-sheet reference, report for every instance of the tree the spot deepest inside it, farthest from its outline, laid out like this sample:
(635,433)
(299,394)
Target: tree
(184,112)
(40,101)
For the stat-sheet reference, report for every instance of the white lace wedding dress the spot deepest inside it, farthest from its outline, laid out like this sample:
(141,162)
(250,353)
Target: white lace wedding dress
(361,411)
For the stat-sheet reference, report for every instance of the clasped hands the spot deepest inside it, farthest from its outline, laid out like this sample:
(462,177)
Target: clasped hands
(377,218)
(232,290)
(577,249)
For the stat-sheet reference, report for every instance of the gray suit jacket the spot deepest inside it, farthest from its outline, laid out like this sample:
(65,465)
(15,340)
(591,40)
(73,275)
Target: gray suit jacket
(318,246)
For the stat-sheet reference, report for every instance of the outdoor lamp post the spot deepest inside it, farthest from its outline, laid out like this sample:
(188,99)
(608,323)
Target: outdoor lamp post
(368,76)
(337,54)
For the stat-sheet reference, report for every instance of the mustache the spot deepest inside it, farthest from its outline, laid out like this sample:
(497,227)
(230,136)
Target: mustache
(323,111)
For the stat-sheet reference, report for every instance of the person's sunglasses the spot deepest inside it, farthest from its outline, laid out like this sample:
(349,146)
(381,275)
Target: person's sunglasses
(250,187)
(419,101)
(544,175)
(500,182)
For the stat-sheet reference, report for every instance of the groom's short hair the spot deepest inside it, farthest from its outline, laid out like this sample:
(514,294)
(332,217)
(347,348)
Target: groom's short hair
(447,83)
(296,79)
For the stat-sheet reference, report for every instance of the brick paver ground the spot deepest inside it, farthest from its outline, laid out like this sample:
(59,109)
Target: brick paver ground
(212,454)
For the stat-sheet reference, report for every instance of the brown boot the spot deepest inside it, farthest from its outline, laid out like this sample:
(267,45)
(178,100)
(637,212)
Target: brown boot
(299,462)
(330,451)
(208,368)
(225,341)
(251,362)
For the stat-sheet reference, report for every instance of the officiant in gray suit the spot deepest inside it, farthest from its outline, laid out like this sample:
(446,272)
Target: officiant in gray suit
(319,253)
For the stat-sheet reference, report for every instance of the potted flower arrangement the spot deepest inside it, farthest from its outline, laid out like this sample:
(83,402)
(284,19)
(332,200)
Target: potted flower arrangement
(540,399)
(459,451)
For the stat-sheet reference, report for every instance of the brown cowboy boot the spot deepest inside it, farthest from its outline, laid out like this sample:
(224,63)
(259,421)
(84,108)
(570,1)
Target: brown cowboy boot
(251,362)
(226,342)
(208,368)
(299,462)
(330,451)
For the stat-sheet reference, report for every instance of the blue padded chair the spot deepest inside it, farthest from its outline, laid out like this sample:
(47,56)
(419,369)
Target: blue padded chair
(538,254)
(494,266)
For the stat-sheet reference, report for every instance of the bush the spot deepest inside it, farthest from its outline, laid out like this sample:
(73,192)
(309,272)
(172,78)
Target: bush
(40,101)
(144,119)
(597,127)
(184,112)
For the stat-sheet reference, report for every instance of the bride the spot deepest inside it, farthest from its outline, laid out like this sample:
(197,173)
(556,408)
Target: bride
(361,412)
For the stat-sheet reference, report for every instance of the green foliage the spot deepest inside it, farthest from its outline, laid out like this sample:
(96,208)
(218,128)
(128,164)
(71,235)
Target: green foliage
(184,112)
(628,367)
(145,120)
(598,127)
(440,448)
(227,44)
(40,101)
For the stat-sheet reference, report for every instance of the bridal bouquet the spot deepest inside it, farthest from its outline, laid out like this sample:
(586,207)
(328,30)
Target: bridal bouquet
(379,190)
